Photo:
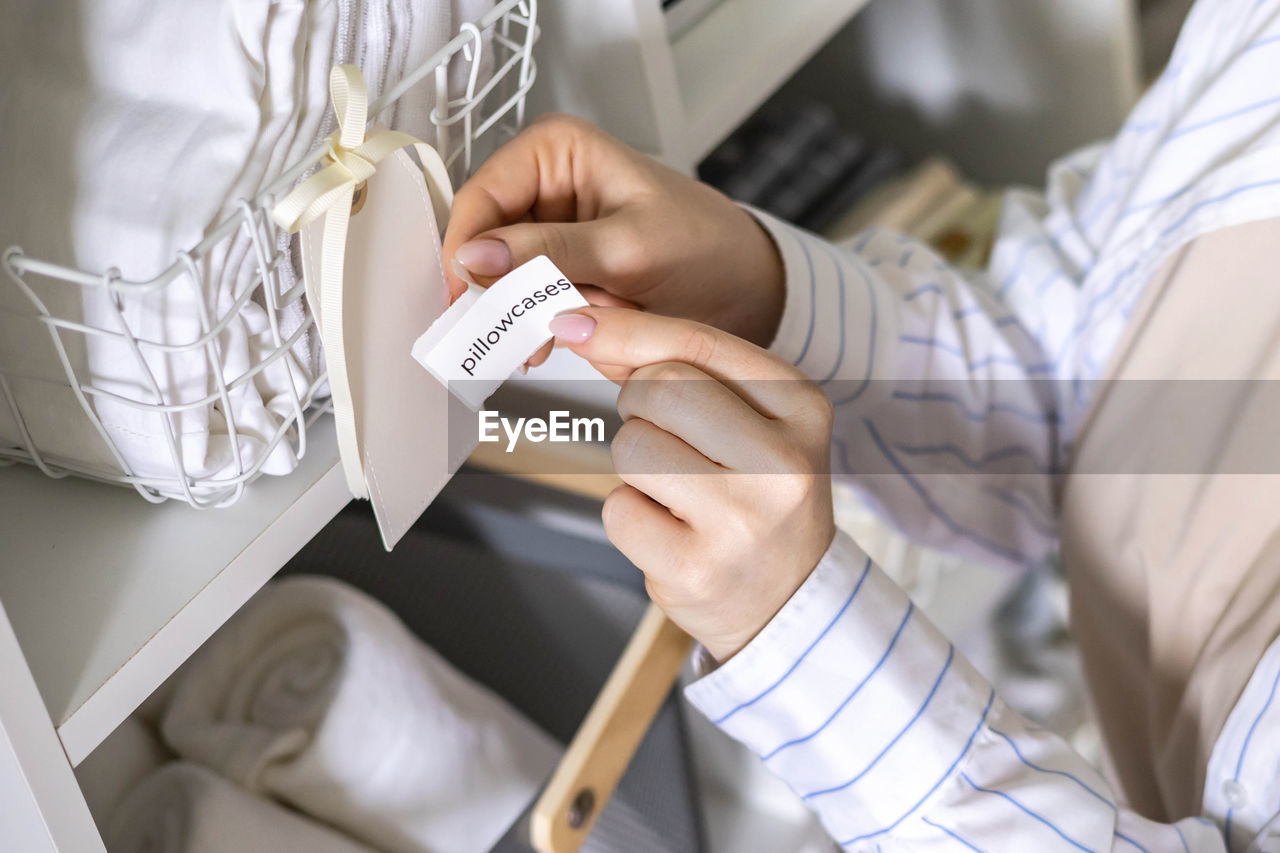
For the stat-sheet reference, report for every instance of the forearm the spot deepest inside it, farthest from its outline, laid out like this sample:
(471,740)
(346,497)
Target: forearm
(945,403)
(855,699)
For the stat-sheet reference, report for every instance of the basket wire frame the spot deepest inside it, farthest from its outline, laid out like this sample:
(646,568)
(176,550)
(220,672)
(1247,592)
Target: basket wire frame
(462,126)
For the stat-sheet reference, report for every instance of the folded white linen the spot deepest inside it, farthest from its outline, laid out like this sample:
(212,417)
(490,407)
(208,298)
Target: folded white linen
(185,808)
(434,24)
(135,126)
(318,695)
(142,123)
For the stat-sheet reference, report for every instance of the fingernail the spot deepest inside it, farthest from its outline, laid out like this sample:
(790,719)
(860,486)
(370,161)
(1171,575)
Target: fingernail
(572,328)
(524,369)
(461,272)
(483,257)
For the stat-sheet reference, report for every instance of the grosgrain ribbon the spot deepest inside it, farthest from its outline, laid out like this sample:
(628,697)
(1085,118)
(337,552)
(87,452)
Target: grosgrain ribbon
(353,157)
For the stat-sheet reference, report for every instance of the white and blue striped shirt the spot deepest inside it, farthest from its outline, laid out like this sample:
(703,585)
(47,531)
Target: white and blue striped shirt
(957,396)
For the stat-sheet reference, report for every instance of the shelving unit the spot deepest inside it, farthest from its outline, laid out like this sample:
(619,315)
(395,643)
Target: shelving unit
(677,100)
(108,594)
(728,63)
(1000,86)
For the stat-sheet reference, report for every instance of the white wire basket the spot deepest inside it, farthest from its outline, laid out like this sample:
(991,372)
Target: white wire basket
(465,128)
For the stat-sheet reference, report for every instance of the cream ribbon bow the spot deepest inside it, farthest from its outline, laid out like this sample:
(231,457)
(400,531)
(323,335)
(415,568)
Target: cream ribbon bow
(353,157)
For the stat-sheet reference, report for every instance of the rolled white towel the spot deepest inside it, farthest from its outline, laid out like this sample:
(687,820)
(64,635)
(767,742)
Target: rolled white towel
(130,754)
(318,695)
(184,808)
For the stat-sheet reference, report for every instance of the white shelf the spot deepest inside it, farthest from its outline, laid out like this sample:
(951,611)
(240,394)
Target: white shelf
(108,594)
(732,60)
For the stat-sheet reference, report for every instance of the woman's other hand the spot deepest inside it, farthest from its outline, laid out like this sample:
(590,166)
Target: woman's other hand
(614,219)
(725,456)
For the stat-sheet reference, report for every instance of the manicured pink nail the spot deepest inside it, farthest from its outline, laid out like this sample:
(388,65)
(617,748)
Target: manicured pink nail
(572,328)
(461,272)
(483,257)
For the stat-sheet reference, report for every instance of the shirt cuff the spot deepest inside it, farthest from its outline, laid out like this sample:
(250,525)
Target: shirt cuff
(800,275)
(852,696)
(838,319)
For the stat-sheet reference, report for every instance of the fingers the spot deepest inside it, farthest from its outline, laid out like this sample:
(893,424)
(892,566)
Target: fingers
(642,529)
(705,414)
(595,296)
(664,467)
(555,190)
(583,251)
(599,296)
(502,191)
(634,338)
(543,353)
(623,340)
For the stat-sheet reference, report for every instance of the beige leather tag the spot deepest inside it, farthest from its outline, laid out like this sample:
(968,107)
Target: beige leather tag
(393,288)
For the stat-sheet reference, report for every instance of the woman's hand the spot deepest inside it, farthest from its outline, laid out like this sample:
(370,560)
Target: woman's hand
(613,218)
(725,453)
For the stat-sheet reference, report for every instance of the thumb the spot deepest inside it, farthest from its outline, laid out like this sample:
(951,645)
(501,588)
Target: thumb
(581,250)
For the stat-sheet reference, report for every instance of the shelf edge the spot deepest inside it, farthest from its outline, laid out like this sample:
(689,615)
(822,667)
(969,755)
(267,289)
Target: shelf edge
(711,121)
(179,638)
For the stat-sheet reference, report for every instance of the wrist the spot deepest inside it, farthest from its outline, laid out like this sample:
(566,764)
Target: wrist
(787,582)
(755,308)
(722,649)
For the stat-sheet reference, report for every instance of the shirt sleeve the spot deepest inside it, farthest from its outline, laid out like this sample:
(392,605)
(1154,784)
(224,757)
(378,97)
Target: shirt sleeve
(957,393)
(946,406)
(858,702)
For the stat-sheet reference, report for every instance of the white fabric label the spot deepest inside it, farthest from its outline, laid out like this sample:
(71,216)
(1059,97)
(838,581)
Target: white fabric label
(480,341)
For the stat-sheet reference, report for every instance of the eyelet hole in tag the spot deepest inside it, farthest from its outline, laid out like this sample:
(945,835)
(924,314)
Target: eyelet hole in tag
(358,197)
